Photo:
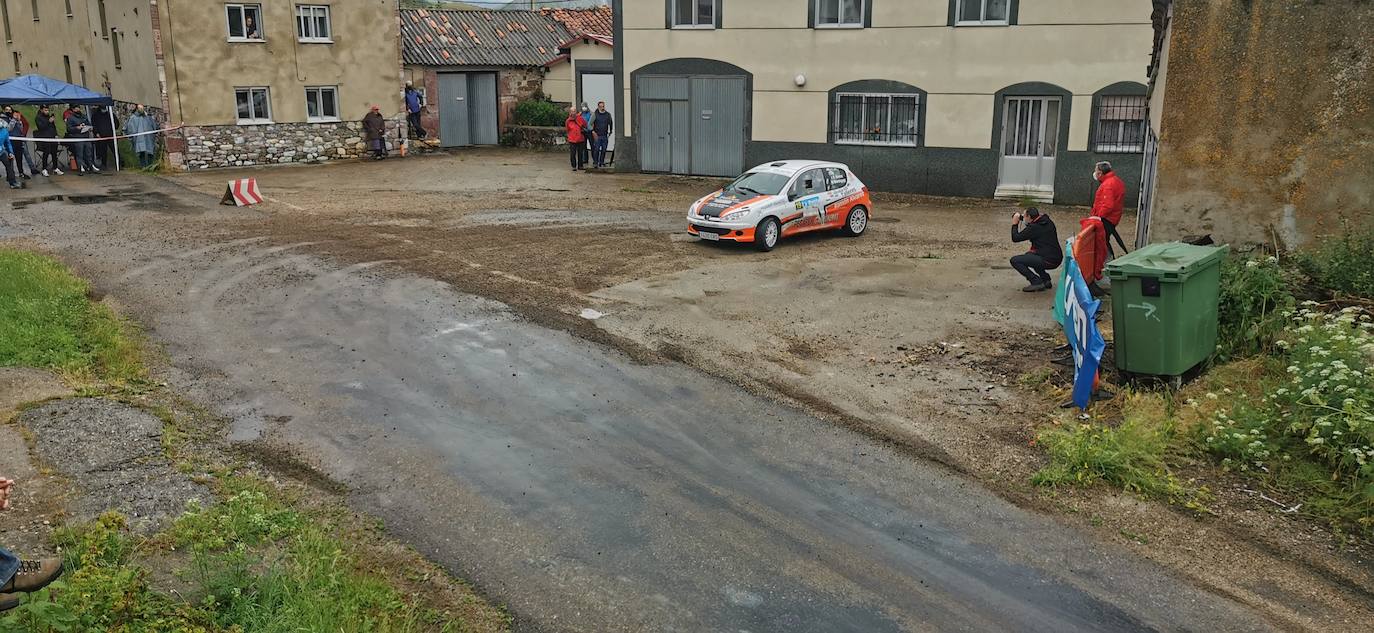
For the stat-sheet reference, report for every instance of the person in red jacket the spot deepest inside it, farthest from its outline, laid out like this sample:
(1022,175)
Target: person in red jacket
(1109,201)
(577,139)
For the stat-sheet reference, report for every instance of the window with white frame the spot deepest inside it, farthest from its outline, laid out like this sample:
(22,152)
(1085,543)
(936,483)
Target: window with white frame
(1120,124)
(312,23)
(694,14)
(245,22)
(876,119)
(254,105)
(839,13)
(322,103)
(976,12)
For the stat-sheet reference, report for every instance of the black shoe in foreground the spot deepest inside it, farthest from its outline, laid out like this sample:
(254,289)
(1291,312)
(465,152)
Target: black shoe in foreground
(1035,288)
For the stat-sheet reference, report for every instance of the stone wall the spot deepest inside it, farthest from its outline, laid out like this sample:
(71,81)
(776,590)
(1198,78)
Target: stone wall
(1267,122)
(533,137)
(240,145)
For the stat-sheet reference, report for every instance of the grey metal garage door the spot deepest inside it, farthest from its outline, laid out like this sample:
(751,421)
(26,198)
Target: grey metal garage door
(467,109)
(692,125)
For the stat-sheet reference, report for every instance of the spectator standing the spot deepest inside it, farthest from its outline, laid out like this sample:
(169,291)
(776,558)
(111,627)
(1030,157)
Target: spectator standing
(374,127)
(602,125)
(78,134)
(588,136)
(145,143)
(1109,202)
(46,127)
(577,139)
(7,157)
(414,104)
(104,144)
(19,127)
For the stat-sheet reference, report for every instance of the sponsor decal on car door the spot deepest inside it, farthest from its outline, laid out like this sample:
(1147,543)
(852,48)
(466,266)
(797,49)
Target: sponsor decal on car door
(810,191)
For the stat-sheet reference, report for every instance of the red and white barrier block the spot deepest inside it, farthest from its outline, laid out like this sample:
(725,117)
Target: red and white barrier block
(242,192)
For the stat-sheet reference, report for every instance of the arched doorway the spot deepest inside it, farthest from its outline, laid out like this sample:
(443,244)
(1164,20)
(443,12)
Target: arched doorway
(691,116)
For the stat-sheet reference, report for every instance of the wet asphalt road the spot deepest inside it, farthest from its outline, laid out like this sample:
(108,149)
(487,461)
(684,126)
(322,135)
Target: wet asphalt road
(586,491)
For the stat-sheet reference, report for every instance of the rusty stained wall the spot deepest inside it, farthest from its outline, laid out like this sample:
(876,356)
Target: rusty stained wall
(1268,128)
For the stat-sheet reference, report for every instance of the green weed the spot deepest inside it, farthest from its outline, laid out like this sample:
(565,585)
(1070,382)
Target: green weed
(1253,295)
(46,321)
(1131,456)
(1341,265)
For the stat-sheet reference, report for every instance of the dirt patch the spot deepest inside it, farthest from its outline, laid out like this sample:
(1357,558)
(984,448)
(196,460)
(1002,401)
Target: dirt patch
(113,453)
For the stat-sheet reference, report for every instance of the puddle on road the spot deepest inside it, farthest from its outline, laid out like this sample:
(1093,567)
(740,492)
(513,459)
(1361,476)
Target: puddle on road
(141,200)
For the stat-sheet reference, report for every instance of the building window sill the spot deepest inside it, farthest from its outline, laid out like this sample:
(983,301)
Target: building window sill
(322,119)
(838,26)
(247,122)
(998,23)
(879,143)
(315,40)
(246,40)
(694,27)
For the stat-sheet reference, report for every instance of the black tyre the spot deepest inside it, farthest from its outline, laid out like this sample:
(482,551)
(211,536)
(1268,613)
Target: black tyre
(767,234)
(857,222)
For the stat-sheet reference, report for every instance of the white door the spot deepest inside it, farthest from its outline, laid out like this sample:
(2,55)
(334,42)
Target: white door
(598,87)
(1030,141)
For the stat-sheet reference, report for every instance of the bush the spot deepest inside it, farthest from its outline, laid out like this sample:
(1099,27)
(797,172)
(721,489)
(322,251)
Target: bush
(1253,295)
(540,112)
(1343,265)
(1323,412)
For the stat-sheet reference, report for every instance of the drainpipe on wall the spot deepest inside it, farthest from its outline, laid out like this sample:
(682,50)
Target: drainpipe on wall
(175,140)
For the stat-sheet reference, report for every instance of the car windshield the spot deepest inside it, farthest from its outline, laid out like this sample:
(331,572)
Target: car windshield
(759,183)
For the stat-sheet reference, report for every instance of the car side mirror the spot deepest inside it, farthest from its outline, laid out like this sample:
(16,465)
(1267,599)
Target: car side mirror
(792,196)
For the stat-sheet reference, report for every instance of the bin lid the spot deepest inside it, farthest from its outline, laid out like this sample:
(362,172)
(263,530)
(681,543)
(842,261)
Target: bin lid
(1169,260)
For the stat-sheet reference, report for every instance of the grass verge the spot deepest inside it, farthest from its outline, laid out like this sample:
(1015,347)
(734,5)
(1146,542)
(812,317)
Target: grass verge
(46,321)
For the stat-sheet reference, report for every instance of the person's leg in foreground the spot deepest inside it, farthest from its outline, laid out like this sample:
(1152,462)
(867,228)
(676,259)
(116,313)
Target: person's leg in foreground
(17,575)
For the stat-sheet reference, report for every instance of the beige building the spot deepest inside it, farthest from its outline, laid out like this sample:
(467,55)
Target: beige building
(104,45)
(277,81)
(250,83)
(958,97)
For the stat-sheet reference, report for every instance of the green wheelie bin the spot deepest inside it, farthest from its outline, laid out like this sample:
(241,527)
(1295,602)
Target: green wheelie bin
(1164,307)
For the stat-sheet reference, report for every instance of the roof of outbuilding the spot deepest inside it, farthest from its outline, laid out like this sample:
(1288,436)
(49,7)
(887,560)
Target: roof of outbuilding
(597,21)
(480,38)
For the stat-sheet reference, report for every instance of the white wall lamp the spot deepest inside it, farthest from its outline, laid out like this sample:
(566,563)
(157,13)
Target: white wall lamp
(800,79)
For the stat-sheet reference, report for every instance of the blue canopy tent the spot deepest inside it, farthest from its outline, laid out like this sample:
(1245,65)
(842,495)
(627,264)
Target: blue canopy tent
(40,90)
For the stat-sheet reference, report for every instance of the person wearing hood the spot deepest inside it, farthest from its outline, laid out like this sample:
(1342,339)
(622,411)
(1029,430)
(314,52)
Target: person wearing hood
(104,145)
(374,128)
(1045,252)
(145,143)
(78,134)
(588,134)
(7,156)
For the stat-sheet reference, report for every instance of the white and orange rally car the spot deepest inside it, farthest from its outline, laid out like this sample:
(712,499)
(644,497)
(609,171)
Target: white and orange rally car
(781,199)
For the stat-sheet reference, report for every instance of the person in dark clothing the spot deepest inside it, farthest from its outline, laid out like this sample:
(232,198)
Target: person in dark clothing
(602,124)
(374,128)
(45,126)
(1045,252)
(79,130)
(414,105)
(104,129)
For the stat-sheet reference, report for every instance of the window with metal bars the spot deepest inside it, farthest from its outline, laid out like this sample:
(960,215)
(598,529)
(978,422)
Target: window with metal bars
(876,119)
(1120,124)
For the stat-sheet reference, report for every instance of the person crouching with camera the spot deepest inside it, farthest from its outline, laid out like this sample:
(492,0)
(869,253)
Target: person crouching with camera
(1045,252)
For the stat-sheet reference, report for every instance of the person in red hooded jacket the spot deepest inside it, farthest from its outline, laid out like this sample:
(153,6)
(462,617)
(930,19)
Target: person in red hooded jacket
(1109,201)
(577,139)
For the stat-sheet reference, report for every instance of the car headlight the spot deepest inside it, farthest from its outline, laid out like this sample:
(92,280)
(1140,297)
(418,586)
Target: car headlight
(736,216)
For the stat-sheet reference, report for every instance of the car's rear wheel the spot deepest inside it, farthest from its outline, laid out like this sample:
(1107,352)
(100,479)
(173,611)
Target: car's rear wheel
(857,222)
(767,234)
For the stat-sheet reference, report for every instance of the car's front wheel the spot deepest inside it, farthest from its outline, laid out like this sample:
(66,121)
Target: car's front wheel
(767,234)
(857,222)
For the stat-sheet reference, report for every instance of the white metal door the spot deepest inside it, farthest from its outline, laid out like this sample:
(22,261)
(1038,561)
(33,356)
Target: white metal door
(599,87)
(1030,141)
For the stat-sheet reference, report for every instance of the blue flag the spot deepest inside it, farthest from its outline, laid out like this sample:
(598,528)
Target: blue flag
(1078,307)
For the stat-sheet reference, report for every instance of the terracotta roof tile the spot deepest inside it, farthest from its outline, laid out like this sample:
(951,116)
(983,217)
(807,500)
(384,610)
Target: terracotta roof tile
(434,37)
